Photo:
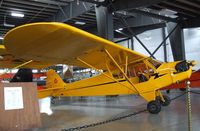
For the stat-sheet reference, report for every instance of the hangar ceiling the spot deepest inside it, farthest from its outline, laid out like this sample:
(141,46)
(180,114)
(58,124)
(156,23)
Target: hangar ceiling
(33,10)
(82,13)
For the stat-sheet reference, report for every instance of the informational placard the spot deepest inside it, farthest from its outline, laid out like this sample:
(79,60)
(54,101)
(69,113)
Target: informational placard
(13,98)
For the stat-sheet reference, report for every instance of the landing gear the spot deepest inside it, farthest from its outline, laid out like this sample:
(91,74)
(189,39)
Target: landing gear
(154,107)
(167,101)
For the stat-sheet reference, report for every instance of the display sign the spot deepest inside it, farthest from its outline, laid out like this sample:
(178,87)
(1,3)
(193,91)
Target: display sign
(13,98)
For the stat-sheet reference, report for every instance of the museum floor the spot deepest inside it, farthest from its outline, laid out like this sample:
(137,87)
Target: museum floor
(77,111)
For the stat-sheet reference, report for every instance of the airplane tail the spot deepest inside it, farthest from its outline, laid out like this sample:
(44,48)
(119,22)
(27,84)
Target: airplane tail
(54,80)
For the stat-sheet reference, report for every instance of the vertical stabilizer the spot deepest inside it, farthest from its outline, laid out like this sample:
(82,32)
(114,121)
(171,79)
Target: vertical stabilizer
(54,80)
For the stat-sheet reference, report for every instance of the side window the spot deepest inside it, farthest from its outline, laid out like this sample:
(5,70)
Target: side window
(136,69)
(131,71)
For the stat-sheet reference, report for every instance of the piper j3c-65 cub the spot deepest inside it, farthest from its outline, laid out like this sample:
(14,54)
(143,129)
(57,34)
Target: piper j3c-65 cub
(123,71)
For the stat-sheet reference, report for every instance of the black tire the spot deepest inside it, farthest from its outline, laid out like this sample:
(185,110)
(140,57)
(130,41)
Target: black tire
(167,101)
(53,100)
(154,107)
(167,91)
(182,89)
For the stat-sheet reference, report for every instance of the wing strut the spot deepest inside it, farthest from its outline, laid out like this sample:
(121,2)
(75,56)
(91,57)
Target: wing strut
(126,66)
(121,70)
(104,74)
(23,64)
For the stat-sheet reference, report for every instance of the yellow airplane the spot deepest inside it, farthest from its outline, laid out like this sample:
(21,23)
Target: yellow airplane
(123,71)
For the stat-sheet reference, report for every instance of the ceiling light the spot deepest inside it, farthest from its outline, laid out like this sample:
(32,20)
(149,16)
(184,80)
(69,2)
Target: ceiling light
(120,29)
(147,38)
(14,70)
(80,23)
(1,57)
(15,14)
(8,25)
(1,38)
(35,71)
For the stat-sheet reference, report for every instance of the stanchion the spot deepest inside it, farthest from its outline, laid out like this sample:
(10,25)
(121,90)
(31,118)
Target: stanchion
(189,110)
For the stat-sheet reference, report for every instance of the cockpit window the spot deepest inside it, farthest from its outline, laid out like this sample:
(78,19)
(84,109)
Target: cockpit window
(155,63)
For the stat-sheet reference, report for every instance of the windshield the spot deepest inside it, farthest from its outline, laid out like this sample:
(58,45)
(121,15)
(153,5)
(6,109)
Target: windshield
(155,63)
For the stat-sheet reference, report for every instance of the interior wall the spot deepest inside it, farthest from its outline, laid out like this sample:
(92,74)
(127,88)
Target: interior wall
(151,39)
(192,45)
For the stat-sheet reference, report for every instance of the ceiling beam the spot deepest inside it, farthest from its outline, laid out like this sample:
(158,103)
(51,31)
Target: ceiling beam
(175,9)
(8,12)
(84,19)
(130,4)
(191,23)
(182,7)
(51,2)
(4,29)
(150,14)
(23,10)
(31,3)
(87,17)
(12,5)
(71,11)
(93,2)
(181,15)
(191,3)
(10,20)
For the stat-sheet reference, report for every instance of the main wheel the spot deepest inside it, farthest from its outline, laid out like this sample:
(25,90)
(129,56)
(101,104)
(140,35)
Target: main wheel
(154,107)
(167,101)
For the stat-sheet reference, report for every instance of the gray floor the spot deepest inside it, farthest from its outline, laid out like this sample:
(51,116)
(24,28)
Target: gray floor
(76,111)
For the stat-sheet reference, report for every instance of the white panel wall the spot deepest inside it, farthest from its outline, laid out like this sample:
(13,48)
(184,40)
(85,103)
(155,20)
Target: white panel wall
(192,45)
(151,39)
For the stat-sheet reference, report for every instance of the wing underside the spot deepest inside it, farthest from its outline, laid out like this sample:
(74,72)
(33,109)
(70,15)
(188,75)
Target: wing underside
(60,43)
(9,61)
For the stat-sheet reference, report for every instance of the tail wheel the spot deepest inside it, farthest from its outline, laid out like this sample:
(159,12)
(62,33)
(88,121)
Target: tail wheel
(182,89)
(154,107)
(53,100)
(167,101)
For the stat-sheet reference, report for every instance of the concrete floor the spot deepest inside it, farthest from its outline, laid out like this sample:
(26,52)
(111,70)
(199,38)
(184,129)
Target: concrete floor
(76,111)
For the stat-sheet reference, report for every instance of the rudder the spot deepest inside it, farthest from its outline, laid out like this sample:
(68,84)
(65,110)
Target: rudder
(54,80)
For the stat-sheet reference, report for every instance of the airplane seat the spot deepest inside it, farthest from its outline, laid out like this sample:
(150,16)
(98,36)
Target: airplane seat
(142,77)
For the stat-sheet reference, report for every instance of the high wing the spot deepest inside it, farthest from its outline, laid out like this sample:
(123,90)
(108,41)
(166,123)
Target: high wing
(9,61)
(60,43)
